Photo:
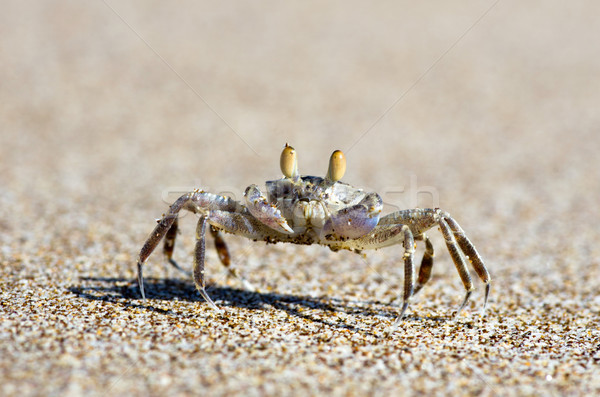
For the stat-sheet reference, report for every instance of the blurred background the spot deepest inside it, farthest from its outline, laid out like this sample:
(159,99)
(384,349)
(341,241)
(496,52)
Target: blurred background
(114,105)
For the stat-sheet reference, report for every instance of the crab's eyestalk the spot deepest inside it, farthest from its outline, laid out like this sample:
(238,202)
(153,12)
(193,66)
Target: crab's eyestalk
(337,166)
(289,162)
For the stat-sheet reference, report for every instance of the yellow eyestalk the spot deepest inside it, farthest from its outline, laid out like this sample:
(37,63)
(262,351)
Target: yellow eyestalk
(289,162)
(337,166)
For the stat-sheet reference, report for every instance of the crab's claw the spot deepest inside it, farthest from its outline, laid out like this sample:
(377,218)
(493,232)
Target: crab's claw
(357,220)
(265,212)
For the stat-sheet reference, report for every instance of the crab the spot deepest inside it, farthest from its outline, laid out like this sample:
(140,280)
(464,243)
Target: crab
(307,210)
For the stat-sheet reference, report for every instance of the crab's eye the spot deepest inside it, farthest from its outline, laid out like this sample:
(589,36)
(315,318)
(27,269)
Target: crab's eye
(289,162)
(337,166)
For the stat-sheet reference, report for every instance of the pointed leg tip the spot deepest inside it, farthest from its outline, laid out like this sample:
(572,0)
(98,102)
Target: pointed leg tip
(249,286)
(176,266)
(398,321)
(485,301)
(402,312)
(140,278)
(464,303)
(141,286)
(209,300)
(394,327)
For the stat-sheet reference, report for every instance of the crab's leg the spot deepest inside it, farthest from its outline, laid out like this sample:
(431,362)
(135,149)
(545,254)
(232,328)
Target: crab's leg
(386,235)
(244,225)
(196,201)
(164,225)
(221,247)
(267,213)
(426,264)
(419,219)
(409,270)
(459,261)
(457,242)
(390,234)
(238,223)
(379,237)
(169,246)
(225,257)
(469,250)
(199,261)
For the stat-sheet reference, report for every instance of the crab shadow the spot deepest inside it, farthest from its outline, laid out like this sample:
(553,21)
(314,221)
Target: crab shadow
(125,292)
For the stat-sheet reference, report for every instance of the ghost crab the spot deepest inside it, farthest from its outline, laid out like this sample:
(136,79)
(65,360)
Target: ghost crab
(313,210)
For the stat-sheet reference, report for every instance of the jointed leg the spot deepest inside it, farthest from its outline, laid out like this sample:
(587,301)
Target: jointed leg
(157,234)
(409,271)
(234,222)
(169,246)
(459,261)
(199,261)
(469,250)
(221,247)
(195,202)
(426,264)
(225,258)
(459,246)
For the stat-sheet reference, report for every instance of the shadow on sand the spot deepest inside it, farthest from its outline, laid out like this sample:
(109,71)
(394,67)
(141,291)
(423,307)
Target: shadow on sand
(125,292)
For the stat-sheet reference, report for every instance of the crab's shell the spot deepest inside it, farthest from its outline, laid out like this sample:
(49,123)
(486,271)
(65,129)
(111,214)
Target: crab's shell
(321,210)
